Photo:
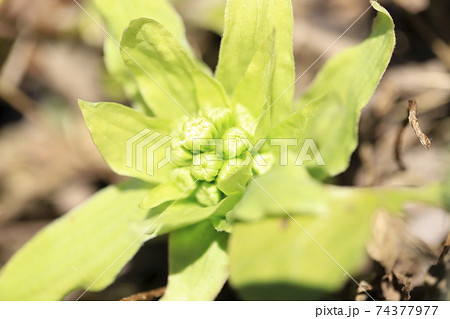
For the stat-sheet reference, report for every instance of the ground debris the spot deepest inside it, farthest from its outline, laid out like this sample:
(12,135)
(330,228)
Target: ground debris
(146,295)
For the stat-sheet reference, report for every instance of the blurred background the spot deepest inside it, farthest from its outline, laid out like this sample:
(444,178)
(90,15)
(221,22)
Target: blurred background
(51,55)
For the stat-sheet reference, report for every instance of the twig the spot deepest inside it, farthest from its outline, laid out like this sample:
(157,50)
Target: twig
(412,119)
(412,110)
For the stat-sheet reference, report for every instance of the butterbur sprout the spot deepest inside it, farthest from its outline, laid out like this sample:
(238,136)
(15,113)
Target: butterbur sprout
(197,128)
(221,117)
(231,210)
(208,194)
(233,144)
(206,166)
(183,178)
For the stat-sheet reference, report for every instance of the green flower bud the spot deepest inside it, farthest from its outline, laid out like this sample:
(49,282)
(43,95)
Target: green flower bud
(208,194)
(221,117)
(261,166)
(232,142)
(206,166)
(180,155)
(229,168)
(198,128)
(183,178)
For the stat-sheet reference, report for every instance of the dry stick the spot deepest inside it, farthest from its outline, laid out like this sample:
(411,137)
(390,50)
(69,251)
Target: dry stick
(412,110)
(412,119)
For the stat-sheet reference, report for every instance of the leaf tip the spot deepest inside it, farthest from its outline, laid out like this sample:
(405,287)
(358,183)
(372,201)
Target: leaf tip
(379,7)
(84,104)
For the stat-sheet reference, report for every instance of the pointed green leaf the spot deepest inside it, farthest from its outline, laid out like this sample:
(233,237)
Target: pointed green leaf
(163,193)
(198,263)
(222,218)
(161,67)
(247,24)
(292,189)
(284,71)
(131,143)
(237,182)
(210,92)
(221,224)
(117,14)
(254,90)
(175,215)
(75,250)
(330,109)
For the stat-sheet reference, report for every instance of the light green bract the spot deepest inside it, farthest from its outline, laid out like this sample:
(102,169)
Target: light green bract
(203,167)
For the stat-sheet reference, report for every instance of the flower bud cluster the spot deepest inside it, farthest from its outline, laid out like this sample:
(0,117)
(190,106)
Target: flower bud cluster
(209,149)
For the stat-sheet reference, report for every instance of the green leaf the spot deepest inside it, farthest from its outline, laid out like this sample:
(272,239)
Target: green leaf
(222,218)
(274,259)
(291,187)
(72,252)
(117,14)
(298,255)
(198,263)
(124,137)
(175,215)
(254,90)
(221,224)
(247,24)
(291,252)
(210,92)
(162,193)
(331,107)
(171,216)
(162,68)
(237,182)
